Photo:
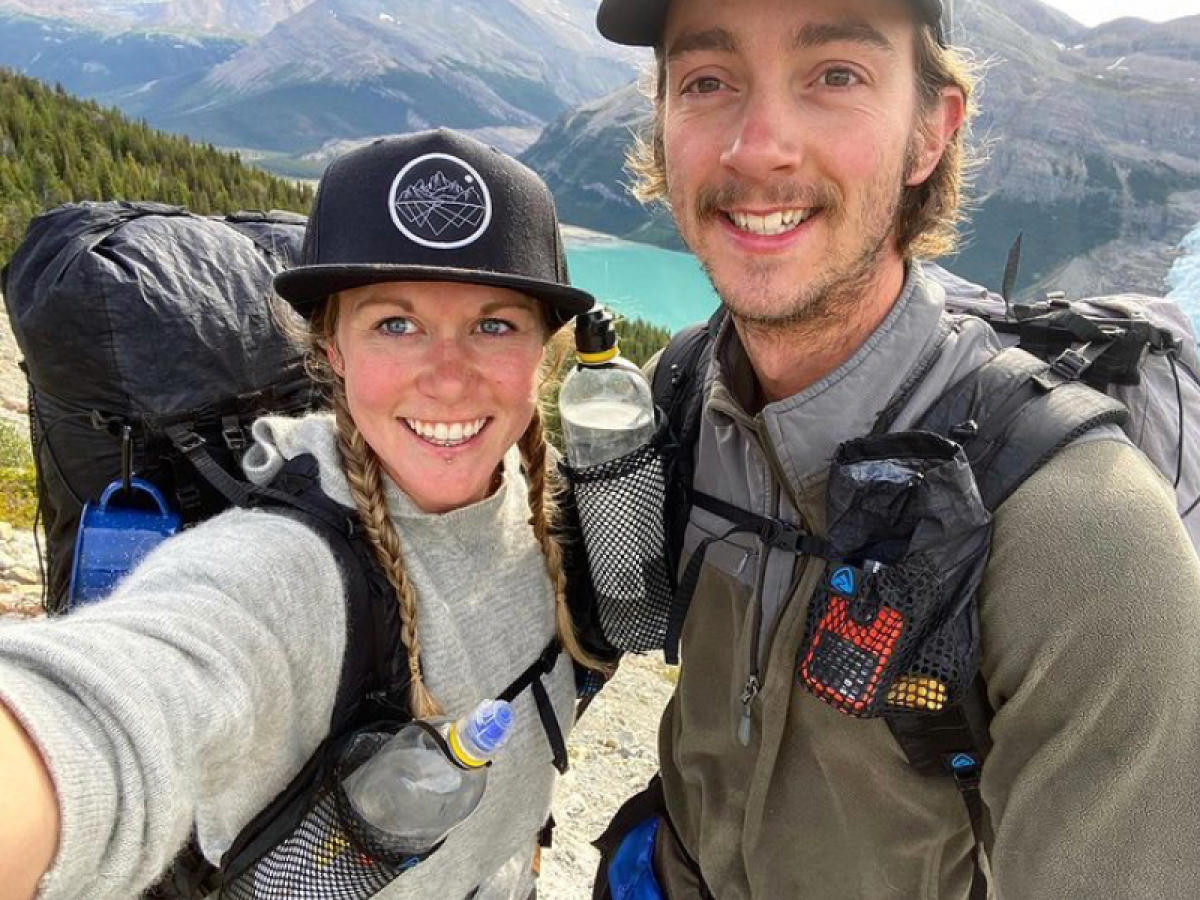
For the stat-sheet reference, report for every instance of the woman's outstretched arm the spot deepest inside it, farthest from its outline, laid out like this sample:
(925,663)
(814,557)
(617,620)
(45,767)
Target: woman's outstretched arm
(28,812)
(185,701)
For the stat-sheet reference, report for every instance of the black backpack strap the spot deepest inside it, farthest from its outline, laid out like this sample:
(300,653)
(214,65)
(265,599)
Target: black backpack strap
(244,494)
(374,670)
(1010,419)
(1011,415)
(375,667)
(678,390)
(955,742)
(532,678)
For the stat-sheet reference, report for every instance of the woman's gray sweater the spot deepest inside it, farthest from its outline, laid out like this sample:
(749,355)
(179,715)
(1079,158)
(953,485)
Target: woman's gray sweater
(194,694)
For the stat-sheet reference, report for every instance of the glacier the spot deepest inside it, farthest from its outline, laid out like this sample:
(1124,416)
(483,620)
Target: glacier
(1183,280)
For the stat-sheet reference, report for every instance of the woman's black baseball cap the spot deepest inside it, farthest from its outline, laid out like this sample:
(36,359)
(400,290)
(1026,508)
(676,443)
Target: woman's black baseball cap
(639,23)
(432,206)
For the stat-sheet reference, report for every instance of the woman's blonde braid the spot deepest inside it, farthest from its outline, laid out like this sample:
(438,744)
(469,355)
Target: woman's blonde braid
(543,517)
(366,487)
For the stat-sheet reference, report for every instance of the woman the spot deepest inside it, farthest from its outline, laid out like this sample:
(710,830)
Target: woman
(190,699)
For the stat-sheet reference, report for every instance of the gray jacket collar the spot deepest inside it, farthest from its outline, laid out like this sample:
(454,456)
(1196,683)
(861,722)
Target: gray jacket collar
(804,430)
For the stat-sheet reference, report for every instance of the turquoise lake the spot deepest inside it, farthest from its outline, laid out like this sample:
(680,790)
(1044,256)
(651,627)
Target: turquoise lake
(639,281)
(670,289)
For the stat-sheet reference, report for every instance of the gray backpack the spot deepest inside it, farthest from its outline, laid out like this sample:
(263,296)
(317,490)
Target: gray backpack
(1138,349)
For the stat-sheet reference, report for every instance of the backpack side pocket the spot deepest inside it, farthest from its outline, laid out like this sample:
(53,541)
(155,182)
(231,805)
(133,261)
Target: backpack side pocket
(893,628)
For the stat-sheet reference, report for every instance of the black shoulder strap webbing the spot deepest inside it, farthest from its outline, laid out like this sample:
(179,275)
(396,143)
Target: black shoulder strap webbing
(532,678)
(1011,415)
(678,390)
(1010,419)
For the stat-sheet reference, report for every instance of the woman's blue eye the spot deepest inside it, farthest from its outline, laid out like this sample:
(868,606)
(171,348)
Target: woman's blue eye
(495,326)
(396,325)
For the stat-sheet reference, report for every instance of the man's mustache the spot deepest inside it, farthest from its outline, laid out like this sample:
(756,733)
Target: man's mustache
(713,201)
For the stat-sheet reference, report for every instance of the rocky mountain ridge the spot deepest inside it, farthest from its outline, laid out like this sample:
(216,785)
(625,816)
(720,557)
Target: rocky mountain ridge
(312,74)
(236,17)
(96,62)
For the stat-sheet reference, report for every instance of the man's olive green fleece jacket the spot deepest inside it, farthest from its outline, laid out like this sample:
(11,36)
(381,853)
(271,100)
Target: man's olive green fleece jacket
(1090,625)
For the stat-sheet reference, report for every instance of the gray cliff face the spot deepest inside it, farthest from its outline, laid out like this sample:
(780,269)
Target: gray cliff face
(582,157)
(307,74)
(95,63)
(346,69)
(240,17)
(1091,142)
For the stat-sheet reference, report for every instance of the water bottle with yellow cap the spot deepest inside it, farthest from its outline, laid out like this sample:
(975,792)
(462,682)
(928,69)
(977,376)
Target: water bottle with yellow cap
(606,404)
(427,780)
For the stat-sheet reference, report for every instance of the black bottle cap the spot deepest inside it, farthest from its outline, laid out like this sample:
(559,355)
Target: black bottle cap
(594,331)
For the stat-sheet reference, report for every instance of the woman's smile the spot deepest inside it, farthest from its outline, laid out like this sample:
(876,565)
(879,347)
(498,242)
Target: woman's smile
(446,434)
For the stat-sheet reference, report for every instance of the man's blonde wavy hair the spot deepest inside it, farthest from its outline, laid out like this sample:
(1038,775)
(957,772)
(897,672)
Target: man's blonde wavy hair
(929,214)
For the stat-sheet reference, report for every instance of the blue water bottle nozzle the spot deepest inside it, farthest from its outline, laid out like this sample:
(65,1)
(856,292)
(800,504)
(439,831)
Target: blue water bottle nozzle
(476,738)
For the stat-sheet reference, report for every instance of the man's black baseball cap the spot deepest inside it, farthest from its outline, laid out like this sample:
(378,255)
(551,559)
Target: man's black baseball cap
(432,206)
(639,23)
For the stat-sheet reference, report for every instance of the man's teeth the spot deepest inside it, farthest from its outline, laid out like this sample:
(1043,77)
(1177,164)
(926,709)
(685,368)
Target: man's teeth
(778,222)
(446,433)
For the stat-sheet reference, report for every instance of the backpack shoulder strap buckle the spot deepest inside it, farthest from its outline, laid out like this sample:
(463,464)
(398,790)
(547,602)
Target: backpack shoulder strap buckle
(184,439)
(1071,363)
(233,434)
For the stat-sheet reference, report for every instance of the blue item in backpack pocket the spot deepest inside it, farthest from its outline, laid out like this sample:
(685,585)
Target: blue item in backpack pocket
(631,871)
(113,539)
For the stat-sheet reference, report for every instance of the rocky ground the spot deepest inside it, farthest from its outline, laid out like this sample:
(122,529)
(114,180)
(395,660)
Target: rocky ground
(20,585)
(612,750)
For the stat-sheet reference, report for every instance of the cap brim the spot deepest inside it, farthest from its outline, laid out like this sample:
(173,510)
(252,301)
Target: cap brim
(304,287)
(635,24)
(639,23)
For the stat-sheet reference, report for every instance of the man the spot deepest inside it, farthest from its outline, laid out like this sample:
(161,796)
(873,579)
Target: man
(809,151)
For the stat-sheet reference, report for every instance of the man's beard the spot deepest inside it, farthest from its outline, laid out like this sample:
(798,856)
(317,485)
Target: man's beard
(830,300)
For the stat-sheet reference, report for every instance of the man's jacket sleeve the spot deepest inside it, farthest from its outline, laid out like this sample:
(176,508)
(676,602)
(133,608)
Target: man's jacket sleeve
(1091,631)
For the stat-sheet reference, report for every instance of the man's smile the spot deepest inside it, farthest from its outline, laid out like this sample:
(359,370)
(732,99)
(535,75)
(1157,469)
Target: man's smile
(773,223)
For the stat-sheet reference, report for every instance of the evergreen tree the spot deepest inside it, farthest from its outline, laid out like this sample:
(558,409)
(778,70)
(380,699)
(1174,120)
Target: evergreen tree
(57,149)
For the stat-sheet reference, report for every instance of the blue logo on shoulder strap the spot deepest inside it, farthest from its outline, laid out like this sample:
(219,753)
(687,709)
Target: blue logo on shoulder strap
(845,581)
(963,762)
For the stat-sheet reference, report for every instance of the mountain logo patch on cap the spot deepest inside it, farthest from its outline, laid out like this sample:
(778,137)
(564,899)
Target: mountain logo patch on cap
(439,201)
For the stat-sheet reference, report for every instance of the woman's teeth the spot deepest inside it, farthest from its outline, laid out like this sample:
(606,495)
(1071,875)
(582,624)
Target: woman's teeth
(772,224)
(446,434)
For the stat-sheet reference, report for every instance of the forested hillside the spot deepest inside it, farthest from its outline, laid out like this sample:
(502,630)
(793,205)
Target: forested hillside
(55,148)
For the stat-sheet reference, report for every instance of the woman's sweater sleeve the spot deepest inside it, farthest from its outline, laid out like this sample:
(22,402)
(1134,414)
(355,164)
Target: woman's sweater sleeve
(190,697)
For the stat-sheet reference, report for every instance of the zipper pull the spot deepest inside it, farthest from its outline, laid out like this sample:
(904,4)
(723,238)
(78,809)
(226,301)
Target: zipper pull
(746,557)
(749,692)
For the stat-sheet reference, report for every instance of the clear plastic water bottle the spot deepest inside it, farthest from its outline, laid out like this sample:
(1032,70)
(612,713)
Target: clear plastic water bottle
(416,794)
(606,404)
(607,411)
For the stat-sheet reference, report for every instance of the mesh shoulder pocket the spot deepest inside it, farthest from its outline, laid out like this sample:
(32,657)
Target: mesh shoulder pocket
(620,506)
(893,629)
(332,853)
